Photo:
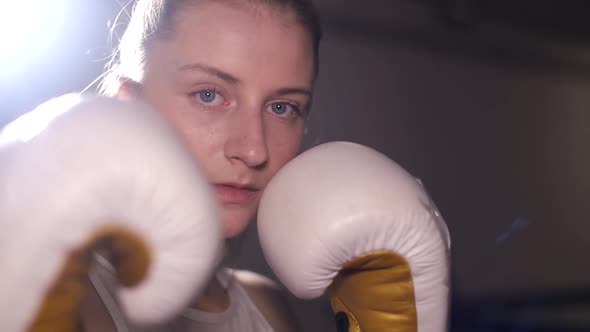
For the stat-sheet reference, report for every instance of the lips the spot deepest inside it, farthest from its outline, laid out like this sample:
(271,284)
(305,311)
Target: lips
(237,194)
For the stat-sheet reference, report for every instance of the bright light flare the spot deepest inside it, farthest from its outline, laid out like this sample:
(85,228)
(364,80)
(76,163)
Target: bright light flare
(28,28)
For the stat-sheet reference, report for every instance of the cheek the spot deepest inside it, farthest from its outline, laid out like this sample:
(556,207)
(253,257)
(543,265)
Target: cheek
(199,134)
(205,143)
(283,144)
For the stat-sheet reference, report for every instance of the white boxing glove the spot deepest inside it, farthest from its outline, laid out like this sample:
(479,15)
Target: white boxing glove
(84,173)
(344,219)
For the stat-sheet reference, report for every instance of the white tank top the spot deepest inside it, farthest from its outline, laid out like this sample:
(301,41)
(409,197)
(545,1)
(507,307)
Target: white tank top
(241,315)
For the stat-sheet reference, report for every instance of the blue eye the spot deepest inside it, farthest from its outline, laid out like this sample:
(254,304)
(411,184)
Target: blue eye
(283,109)
(279,108)
(207,96)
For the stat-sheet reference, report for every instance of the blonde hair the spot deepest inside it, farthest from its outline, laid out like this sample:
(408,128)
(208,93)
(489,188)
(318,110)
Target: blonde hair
(153,19)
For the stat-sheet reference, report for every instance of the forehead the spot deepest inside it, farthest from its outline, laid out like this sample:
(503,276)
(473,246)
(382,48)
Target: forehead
(245,41)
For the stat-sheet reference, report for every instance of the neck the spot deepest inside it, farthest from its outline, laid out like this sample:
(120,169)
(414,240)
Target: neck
(214,298)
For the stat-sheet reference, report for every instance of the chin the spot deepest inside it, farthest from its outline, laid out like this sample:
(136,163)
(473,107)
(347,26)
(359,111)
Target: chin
(235,220)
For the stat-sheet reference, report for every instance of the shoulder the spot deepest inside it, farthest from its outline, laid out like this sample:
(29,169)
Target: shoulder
(270,298)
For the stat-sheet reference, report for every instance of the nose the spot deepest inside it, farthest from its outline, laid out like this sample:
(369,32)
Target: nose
(246,141)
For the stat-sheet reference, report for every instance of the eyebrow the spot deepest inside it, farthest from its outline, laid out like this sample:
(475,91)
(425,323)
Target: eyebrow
(291,91)
(211,71)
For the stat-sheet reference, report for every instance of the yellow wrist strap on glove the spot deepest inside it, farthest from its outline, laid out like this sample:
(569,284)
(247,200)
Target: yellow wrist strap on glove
(59,310)
(374,291)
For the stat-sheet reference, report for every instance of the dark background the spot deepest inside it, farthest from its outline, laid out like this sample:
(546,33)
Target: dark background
(487,101)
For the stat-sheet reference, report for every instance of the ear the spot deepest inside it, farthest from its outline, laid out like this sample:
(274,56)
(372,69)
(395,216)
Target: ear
(128,89)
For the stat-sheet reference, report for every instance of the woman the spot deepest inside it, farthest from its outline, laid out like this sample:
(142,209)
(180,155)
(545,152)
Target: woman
(235,79)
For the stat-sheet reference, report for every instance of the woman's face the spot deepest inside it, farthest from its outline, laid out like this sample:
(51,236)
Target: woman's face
(236,83)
